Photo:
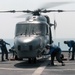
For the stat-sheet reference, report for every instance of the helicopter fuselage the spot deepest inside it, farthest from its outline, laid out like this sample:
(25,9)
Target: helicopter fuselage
(31,37)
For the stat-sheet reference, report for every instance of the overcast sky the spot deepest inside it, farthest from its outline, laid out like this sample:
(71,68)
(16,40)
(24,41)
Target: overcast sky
(65,21)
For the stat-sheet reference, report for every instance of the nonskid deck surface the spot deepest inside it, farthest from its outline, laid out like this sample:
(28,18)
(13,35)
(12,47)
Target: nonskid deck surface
(41,67)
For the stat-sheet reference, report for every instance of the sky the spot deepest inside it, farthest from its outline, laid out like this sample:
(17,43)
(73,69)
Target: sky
(65,20)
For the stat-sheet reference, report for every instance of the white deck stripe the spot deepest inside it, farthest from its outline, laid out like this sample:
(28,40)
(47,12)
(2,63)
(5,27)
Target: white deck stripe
(39,70)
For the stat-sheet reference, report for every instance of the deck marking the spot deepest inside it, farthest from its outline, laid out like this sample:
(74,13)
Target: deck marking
(39,70)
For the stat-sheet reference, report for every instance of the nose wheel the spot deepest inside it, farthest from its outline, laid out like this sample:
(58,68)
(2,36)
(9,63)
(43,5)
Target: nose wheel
(30,60)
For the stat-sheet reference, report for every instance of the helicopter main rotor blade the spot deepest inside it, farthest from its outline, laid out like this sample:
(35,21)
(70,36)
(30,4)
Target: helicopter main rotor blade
(66,10)
(42,9)
(13,11)
(46,6)
(53,4)
(45,11)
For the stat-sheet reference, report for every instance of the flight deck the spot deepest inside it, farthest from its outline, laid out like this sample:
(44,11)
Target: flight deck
(41,67)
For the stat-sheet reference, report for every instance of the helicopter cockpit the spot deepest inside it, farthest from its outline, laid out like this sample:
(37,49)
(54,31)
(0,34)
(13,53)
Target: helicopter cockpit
(31,29)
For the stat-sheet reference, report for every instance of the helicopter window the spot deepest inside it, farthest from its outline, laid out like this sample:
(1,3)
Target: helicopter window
(28,29)
(22,29)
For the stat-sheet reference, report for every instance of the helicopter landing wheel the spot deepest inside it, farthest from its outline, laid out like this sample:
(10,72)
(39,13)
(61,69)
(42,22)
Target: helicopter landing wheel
(29,60)
(34,60)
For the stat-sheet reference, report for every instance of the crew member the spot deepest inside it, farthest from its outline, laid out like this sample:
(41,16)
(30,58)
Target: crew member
(55,51)
(4,49)
(71,45)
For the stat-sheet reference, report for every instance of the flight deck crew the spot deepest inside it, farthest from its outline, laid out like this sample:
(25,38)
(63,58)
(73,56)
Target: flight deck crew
(71,45)
(55,51)
(4,49)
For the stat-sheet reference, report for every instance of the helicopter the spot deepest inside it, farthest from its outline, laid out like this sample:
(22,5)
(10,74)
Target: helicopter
(33,34)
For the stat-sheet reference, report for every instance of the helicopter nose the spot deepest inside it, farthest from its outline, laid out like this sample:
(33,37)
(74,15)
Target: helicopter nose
(28,44)
(24,44)
(23,39)
(24,47)
(27,40)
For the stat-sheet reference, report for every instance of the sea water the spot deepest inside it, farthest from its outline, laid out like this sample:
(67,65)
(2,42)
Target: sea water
(60,42)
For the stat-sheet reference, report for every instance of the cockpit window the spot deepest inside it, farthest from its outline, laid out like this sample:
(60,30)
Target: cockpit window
(28,29)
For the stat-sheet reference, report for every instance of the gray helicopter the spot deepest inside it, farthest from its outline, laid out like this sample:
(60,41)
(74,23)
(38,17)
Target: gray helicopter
(33,34)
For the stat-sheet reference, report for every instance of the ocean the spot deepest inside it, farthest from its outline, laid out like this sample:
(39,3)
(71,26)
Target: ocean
(59,42)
